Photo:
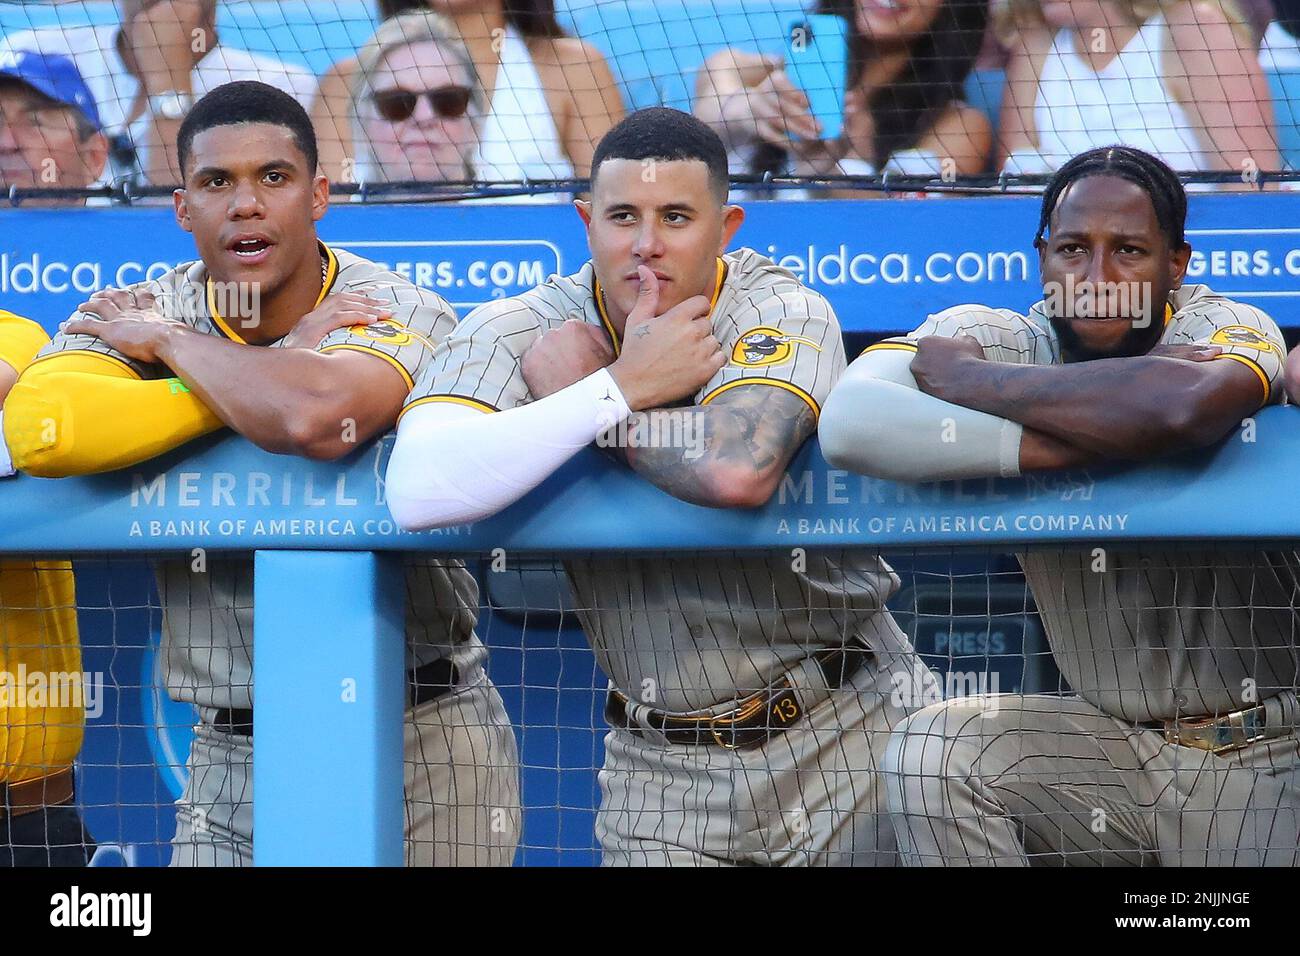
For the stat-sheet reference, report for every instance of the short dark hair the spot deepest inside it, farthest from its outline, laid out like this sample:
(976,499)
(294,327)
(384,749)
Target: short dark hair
(1151,175)
(666,135)
(247,101)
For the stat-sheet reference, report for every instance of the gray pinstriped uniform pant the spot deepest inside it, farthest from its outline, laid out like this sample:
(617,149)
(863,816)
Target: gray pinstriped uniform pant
(1043,780)
(810,796)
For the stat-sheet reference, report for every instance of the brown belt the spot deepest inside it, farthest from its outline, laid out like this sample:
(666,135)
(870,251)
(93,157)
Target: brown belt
(17,799)
(752,720)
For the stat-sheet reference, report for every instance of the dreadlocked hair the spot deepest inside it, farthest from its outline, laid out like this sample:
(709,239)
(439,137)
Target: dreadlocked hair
(1145,171)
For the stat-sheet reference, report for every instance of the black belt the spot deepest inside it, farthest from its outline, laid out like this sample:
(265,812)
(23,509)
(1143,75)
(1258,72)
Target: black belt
(754,718)
(425,683)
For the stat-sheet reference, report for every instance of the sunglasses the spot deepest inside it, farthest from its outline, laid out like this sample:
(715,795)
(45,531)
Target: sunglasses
(448,102)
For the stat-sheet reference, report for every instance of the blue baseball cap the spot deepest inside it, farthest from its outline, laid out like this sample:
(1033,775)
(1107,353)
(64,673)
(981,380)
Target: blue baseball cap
(54,75)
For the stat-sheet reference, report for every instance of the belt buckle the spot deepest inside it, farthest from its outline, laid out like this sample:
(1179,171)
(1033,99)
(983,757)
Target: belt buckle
(771,705)
(717,734)
(1219,735)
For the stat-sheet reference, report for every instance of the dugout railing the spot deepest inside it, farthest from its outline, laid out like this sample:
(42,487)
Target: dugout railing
(328,595)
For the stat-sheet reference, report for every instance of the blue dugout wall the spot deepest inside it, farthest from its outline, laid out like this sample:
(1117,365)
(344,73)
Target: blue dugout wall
(326,770)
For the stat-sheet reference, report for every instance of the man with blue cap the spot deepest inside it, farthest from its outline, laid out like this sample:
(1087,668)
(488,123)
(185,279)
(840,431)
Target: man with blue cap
(50,134)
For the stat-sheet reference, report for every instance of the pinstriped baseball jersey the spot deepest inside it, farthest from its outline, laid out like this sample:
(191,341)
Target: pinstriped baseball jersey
(1196,315)
(208,616)
(406,341)
(773,327)
(1159,633)
(686,632)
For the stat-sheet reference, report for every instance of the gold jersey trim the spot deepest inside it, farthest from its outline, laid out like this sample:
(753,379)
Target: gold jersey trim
(453,399)
(331,274)
(779,383)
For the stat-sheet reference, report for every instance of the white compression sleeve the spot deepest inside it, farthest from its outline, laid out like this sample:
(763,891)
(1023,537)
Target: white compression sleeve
(452,464)
(877,422)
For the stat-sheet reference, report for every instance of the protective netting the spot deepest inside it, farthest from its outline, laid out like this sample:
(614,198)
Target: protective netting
(456,100)
(767,708)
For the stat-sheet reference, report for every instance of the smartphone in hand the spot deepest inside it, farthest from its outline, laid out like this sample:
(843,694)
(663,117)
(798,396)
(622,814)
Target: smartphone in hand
(817,62)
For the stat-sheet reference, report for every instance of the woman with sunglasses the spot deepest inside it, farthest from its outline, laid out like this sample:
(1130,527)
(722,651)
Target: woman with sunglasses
(416,108)
(547,97)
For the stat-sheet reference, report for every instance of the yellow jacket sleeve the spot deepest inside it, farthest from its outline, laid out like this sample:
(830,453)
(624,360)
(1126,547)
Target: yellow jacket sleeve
(20,340)
(81,413)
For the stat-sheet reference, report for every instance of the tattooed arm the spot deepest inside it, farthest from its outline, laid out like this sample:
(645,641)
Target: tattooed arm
(730,453)
(1122,408)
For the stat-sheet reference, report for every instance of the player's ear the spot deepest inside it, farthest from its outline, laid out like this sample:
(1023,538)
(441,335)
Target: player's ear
(584,211)
(1041,245)
(1178,259)
(95,155)
(182,207)
(320,197)
(732,217)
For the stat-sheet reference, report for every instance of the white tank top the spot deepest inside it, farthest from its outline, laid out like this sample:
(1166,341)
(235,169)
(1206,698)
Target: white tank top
(1078,108)
(520,139)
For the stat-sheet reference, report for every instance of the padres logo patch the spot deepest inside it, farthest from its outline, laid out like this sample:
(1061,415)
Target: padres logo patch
(390,333)
(767,346)
(1244,335)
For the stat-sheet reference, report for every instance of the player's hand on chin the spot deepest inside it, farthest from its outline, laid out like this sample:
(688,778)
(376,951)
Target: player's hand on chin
(668,357)
(129,321)
(565,355)
(940,360)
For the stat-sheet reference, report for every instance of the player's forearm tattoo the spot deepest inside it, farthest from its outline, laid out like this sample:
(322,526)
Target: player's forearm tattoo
(755,429)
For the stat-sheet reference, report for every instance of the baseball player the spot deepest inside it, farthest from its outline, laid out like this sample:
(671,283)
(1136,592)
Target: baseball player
(750,695)
(1178,745)
(333,345)
(40,824)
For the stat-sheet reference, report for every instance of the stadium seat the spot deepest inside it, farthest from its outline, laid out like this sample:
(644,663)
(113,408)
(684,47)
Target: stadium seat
(313,33)
(15,17)
(1286,107)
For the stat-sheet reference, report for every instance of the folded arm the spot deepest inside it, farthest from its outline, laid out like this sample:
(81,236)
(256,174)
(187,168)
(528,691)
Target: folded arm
(877,422)
(292,401)
(453,464)
(1119,408)
(729,453)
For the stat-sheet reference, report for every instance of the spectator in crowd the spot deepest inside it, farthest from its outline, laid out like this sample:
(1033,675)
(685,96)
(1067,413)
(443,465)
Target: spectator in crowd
(147,72)
(49,127)
(1180,80)
(416,107)
(550,97)
(903,111)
